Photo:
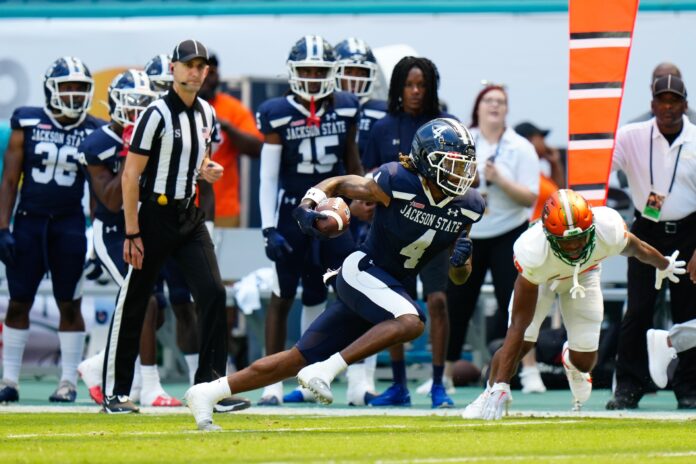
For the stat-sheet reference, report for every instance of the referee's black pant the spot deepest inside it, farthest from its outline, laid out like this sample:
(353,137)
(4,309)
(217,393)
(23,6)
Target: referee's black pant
(632,374)
(175,230)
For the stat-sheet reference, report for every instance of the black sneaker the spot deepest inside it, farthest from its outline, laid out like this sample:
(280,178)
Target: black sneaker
(8,392)
(619,402)
(233,403)
(65,393)
(119,404)
(686,403)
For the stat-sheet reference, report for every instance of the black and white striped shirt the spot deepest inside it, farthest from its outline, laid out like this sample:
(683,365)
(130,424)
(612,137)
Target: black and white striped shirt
(175,138)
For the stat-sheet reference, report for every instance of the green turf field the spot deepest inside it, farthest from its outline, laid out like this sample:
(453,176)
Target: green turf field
(655,433)
(305,438)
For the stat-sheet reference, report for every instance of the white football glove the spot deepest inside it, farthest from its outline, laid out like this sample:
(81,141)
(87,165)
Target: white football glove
(674,268)
(498,401)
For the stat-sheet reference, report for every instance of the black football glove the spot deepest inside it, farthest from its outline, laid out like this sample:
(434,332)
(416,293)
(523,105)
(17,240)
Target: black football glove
(461,252)
(7,248)
(277,248)
(306,218)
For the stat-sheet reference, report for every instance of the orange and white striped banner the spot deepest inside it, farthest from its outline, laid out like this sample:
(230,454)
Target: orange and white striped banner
(600,43)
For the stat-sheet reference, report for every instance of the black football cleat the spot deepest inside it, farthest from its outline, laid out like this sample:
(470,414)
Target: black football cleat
(231,404)
(119,404)
(8,392)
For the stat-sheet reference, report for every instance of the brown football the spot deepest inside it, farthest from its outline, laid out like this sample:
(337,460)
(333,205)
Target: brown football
(338,218)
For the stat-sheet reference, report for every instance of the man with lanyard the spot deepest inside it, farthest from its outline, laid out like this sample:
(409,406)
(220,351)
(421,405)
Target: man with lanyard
(658,159)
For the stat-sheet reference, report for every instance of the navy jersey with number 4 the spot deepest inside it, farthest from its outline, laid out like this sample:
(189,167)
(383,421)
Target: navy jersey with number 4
(102,148)
(413,228)
(53,181)
(310,153)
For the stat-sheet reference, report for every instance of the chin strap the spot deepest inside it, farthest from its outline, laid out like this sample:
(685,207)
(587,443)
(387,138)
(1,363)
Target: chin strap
(313,119)
(577,290)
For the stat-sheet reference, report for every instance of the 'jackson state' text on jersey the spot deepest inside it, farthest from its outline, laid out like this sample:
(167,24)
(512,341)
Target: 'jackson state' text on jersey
(536,261)
(101,148)
(310,153)
(53,181)
(370,112)
(391,135)
(412,229)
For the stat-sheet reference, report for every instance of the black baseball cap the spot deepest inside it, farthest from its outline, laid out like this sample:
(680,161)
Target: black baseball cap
(527,129)
(669,83)
(188,50)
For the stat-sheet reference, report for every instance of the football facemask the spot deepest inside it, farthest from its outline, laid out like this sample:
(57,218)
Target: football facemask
(567,221)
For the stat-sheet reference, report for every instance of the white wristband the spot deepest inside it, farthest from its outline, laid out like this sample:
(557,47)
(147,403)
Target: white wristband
(315,194)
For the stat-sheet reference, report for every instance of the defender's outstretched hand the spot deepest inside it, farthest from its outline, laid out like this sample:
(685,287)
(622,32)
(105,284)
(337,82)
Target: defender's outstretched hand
(674,268)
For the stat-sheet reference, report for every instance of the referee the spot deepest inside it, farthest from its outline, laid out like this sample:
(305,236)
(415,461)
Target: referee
(658,159)
(168,152)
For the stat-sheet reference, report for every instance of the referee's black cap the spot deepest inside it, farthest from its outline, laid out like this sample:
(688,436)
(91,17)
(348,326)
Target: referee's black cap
(188,50)
(669,83)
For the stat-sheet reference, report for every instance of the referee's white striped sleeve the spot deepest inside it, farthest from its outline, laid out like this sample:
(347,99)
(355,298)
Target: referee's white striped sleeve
(145,131)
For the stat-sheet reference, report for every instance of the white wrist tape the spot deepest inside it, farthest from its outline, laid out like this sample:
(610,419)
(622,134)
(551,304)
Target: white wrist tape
(316,195)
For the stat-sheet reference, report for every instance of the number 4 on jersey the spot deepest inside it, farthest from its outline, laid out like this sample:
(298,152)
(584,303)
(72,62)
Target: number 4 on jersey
(414,250)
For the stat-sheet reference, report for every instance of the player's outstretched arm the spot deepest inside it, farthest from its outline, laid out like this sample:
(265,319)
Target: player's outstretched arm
(523,307)
(350,186)
(665,267)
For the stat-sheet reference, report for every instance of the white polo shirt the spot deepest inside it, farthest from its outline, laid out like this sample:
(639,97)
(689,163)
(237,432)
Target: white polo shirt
(517,160)
(632,156)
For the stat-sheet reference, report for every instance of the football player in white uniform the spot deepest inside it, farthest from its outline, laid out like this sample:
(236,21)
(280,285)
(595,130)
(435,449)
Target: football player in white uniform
(561,255)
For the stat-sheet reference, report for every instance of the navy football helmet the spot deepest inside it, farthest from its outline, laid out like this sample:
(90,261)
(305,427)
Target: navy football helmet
(311,51)
(70,103)
(129,95)
(355,53)
(159,71)
(443,152)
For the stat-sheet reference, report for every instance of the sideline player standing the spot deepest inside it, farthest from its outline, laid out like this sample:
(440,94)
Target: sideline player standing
(310,135)
(49,224)
(357,73)
(561,255)
(374,310)
(169,149)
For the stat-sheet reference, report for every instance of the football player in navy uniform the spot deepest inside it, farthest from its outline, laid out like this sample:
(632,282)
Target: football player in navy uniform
(310,135)
(413,100)
(102,154)
(49,225)
(413,223)
(357,73)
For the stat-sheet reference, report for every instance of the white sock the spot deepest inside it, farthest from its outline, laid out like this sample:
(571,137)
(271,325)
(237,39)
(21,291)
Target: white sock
(309,313)
(567,361)
(137,378)
(274,389)
(370,367)
(72,347)
(219,388)
(449,367)
(14,341)
(335,364)
(151,379)
(192,363)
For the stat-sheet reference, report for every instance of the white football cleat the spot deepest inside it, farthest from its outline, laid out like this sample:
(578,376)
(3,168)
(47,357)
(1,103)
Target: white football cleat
(158,398)
(660,354)
(425,387)
(580,382)
(91,372)
(201,403)
(315,379)
(474,410)
(530,378)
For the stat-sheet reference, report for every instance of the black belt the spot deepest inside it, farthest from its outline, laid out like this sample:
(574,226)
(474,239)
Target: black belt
(667,227)
(163,200)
